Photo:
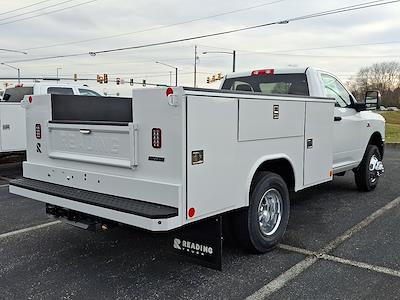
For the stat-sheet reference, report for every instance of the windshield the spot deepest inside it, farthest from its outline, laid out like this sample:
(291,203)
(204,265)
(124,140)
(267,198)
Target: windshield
(86,92)
(16,94)
(294,84)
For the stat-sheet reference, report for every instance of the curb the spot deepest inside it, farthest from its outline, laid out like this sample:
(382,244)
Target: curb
(392,145)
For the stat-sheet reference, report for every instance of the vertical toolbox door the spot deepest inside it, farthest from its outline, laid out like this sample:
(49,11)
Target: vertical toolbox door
(318,142)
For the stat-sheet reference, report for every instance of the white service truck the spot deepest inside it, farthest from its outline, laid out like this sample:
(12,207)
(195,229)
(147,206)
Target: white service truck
(12,115)
(174,156)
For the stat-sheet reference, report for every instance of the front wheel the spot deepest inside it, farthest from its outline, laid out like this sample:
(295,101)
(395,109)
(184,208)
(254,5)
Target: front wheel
(370,169)
(261,226)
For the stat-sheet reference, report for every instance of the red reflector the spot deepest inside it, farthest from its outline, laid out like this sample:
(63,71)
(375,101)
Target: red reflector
(263,72)
(30,99)
(156,137)
(169,91)
(191,212)
(38,129)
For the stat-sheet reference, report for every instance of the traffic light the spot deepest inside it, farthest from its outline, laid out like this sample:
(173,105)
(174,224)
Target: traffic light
(144,82)
(118,80)
(213,78)
(99,79)
(208,79)
(219,76)
(105,77)
(131,81)
(75,77)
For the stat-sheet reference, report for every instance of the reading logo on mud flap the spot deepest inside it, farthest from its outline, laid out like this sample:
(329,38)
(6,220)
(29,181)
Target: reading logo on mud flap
(192,247)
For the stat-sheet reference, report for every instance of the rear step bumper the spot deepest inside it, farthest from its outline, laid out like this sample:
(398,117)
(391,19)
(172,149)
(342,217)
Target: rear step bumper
(129,211)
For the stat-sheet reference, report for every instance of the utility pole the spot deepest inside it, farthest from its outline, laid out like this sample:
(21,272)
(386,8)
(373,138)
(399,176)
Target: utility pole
(195,66)
(234,61)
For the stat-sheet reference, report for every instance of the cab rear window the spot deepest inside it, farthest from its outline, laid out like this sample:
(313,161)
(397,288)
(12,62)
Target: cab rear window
(16,94)
(293,84)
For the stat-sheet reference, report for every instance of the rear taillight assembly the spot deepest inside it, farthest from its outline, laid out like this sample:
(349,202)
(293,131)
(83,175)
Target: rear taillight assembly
(38,129)
(156,138)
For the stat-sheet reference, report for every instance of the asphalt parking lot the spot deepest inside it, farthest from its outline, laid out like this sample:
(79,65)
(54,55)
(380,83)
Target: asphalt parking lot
(340,243)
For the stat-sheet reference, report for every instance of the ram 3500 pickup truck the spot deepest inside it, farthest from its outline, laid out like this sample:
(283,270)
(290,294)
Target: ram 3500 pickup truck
(170,157)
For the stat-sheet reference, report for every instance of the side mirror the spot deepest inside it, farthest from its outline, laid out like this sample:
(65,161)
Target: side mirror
(373,100)
(6,97)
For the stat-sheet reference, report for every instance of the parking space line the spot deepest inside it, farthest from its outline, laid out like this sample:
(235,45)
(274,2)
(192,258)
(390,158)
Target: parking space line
(283,279)
(345,261)
(312,257)
(3,185)
(28,229)
(362,265)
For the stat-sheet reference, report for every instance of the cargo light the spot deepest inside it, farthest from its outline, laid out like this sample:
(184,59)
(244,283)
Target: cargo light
(263,72)
(156,137)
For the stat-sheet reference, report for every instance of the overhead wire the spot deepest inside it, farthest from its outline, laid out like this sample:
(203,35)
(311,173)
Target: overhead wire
(283,21)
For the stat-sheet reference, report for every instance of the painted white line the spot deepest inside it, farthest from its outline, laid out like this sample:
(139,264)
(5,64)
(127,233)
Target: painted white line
(349,262)
(24,230)
(356,228)
(283,279)
(300,267)
(362,265)
(3,185)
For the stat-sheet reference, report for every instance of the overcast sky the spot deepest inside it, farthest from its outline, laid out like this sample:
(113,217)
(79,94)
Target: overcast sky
(45,35)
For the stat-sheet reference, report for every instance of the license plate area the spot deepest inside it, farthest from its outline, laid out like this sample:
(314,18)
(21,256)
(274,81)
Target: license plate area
(113,145)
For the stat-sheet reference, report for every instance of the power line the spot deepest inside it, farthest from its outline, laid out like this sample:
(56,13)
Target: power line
(23,7)
(156,27)
(315,15)
(14,51)
(285,21)
(35,10)
(49,12)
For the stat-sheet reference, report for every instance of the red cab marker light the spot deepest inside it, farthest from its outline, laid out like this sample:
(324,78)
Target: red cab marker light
(169,91)
(30,99)
(263,72)
(191,212)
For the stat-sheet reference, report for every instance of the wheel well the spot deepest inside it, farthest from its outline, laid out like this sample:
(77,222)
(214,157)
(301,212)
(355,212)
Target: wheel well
(279,166)
(376,139)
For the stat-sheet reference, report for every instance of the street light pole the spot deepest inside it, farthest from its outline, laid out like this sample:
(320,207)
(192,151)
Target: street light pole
(57,72)
(176,71)
(233,53)
(12,67)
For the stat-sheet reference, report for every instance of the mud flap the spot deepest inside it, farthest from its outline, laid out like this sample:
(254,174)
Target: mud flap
(201,242)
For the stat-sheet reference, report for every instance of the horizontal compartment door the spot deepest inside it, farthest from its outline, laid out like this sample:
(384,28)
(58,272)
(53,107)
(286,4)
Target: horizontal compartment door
(97,144)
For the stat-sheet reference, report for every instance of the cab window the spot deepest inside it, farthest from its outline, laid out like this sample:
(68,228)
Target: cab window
(86,92)
(60,91)
(334,89)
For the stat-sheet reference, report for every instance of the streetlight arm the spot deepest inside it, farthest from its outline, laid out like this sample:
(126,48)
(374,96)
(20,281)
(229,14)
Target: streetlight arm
(4,64)
(160,63)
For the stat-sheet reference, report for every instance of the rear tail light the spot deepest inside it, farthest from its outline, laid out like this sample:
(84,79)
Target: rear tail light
(263,72)
(38,129)
(156,137)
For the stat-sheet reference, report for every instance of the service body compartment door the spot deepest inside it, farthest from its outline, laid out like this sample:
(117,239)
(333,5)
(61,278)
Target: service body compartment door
(318,142)
(211,143)
(12,127)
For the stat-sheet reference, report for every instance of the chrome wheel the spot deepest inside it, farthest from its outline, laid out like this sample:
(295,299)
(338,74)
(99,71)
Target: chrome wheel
(270,212)
(376,168)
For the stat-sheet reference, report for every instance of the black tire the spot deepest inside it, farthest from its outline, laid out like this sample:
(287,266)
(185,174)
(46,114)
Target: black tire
(246,221)
(362,176)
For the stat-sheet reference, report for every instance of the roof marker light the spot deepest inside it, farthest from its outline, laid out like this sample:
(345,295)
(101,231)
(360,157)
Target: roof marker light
(30,99)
